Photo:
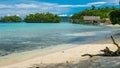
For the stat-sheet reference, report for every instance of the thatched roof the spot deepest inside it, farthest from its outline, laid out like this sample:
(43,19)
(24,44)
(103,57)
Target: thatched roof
(96,18)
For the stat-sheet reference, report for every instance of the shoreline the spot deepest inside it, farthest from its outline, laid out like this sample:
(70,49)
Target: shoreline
(72,54)
(14,57)
(62,54)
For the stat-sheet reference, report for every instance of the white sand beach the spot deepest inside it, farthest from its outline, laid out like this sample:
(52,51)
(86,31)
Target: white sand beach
(68,55)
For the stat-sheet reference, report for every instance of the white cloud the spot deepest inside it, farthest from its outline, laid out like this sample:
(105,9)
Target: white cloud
(67,6)
(26,6)
(96,3)
(24,9)
(111,2)
(19,6)
(5,6)
(63,15)
(49,5)
(84,5)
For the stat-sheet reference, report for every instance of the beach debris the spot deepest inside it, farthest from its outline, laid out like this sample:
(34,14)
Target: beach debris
(118,50)
(67,62)
(107,51)
(90,55)
(4,53)
(62,51)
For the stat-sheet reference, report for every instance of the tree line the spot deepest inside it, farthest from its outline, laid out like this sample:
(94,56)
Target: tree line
(104,13)
(11,19)
(33,18)
(107,12)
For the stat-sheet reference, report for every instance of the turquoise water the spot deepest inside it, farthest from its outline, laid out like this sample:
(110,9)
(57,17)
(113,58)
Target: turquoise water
(17,37)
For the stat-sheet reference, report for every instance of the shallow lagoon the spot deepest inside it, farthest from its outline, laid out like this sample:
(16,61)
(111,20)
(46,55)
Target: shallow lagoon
(19,37)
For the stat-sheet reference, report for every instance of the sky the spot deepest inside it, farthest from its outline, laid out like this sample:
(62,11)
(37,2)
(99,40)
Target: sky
(59,7)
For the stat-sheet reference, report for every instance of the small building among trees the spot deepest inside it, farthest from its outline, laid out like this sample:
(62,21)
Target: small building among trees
(92,19)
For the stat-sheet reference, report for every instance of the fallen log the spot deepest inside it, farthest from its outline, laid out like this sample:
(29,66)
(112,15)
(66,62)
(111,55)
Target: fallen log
(107,51)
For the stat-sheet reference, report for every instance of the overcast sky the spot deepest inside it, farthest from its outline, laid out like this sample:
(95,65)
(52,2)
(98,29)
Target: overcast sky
(60,7)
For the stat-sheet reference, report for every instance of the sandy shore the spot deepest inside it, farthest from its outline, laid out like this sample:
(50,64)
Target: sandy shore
(71,55)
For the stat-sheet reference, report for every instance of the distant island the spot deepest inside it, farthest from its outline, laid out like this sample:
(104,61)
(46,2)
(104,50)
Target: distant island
(42,18)
(33,18)
(11,19)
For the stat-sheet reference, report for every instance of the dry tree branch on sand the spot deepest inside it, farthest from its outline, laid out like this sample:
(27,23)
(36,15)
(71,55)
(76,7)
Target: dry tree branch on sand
(107,51)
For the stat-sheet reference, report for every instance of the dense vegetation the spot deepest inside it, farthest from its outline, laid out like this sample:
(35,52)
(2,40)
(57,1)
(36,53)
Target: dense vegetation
(42,18)
(115,17)
(11,19)
(102,12)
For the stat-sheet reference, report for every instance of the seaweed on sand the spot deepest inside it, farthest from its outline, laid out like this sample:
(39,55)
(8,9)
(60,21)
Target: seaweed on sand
(107,51)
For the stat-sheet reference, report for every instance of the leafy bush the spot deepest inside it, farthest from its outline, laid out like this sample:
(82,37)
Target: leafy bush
(115,17)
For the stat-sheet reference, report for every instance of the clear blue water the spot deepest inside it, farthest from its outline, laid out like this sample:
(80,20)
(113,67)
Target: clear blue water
(17,37)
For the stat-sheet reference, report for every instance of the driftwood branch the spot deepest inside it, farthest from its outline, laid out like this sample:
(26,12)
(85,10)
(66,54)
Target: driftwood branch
(107,51)
(115,43)
(90,55)
(117,52)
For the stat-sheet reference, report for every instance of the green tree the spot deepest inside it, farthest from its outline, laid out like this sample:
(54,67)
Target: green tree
(115,16)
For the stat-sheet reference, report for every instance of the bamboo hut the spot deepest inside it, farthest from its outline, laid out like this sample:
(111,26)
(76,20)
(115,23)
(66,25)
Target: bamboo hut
(92,19)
